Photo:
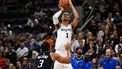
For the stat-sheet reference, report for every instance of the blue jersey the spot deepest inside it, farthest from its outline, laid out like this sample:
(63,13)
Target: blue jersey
(84,65)
(108,64)
(74,62)
(121,65)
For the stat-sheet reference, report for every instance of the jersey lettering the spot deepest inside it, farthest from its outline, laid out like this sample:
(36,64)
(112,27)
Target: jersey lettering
(41,63)
(66,35)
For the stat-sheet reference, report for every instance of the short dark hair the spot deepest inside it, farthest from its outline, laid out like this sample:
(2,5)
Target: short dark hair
(77,49)
(45,46)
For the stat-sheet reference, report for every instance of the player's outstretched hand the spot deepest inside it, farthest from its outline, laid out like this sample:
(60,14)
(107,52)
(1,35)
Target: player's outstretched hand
(68,47)
(60,7)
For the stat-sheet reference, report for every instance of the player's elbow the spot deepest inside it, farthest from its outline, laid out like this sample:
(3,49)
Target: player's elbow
(77,18)
(54,17)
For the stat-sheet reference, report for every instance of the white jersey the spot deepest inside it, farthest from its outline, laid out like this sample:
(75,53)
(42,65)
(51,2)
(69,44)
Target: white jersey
(64,35)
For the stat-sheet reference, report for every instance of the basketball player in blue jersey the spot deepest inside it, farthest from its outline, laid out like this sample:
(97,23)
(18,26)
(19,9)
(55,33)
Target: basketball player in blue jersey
(64,32)
(45,59)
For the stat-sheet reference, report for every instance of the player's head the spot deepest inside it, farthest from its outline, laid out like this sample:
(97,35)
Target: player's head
(45,46)
(65,17)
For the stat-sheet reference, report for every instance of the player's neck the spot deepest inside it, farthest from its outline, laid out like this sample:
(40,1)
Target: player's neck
(65,23)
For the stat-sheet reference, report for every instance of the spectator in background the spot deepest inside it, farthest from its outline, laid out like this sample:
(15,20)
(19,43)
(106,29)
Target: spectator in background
(117,16)
(3,28)
(102,8)
(79,54)
(36,44)
(116,57)
(32,21)
(90,46)
(22,50)
(29,7)
(101,34)
(39,13)
(116,7)
(109,21)
(26,64)
(93,28)
(85,63)
(97,19)
(91,49)
(94,63)
(108,62)
(11,54)
(33,58)
(18,65)
(10,66)
(114,38)
(27,41)
(2,61)
(79,42)
(118,47)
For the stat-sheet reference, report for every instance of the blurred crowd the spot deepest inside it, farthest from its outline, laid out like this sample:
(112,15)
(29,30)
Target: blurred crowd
(18,51)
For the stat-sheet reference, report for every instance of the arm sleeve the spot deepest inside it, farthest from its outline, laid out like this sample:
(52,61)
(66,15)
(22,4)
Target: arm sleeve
(55,17)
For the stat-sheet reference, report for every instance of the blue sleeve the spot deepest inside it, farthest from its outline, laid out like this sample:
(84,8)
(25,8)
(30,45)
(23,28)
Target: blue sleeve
(74,62)
(100,64)
(90,66)
(115,63)
(121,65)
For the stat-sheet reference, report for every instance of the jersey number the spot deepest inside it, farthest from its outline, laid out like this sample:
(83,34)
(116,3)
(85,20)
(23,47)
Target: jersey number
(40,63)
(66,35)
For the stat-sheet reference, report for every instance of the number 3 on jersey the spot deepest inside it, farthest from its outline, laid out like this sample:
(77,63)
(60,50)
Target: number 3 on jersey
(66,35)
(40,63)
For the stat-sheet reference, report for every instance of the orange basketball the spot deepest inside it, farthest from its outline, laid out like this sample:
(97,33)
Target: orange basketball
(64,3)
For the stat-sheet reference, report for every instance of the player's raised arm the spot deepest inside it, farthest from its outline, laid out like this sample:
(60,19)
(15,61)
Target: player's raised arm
(56,15)
(61,59)
(75,13)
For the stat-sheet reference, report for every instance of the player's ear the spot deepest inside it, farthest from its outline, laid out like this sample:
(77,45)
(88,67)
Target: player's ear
(62,17)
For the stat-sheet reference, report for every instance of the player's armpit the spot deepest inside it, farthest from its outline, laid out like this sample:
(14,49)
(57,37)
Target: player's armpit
(56,27)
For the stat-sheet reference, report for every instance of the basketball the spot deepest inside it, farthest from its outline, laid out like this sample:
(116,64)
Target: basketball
(64,3)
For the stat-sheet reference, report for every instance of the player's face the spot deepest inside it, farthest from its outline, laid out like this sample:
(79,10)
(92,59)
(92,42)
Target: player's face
(65,16)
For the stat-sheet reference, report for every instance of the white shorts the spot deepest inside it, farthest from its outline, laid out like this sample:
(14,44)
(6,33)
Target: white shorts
(58,65)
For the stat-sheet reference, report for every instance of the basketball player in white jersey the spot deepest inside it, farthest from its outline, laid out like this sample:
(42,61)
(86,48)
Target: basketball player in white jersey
(64,32)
